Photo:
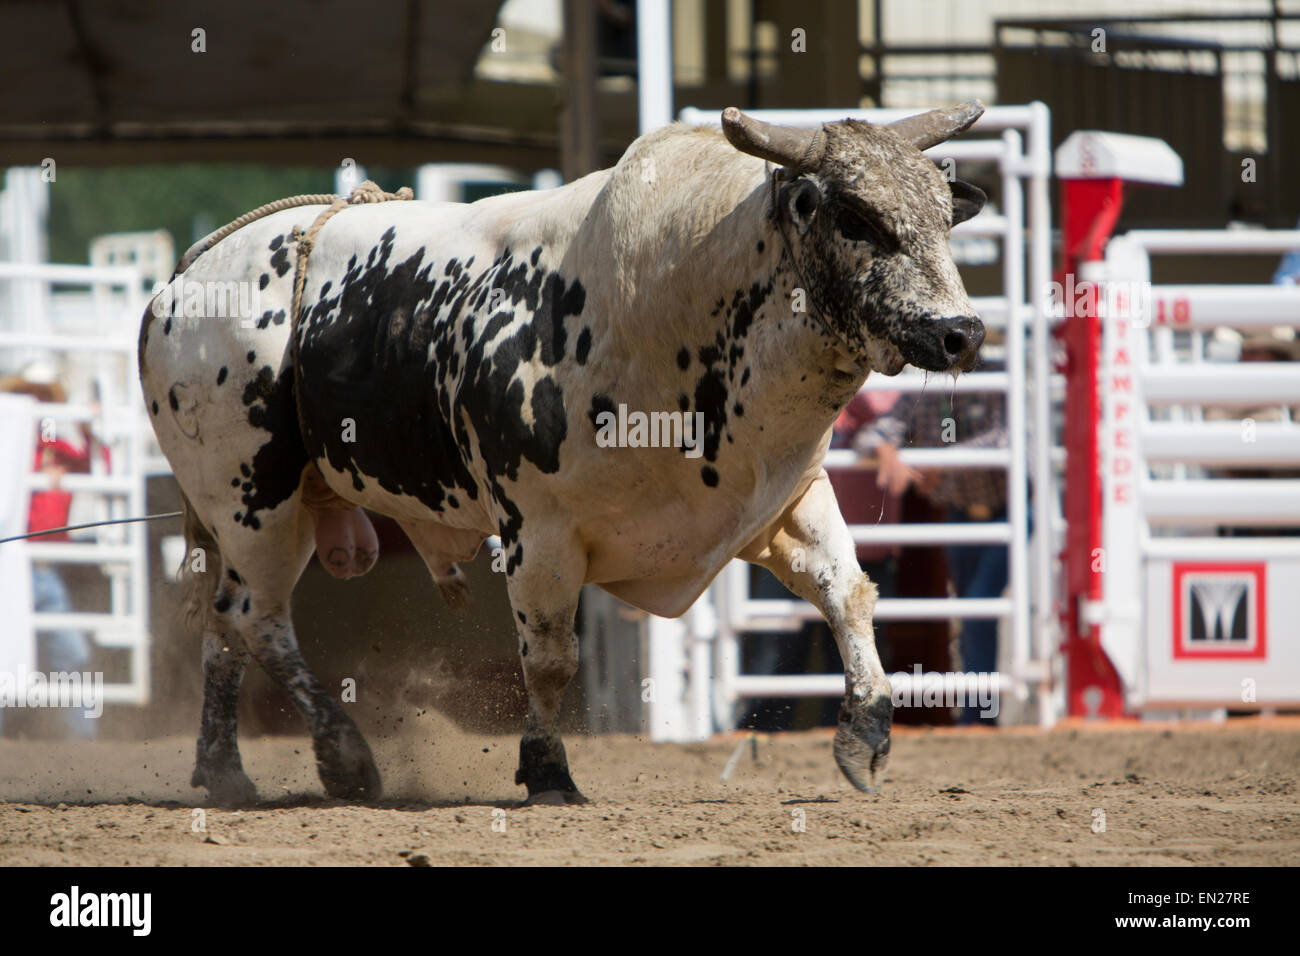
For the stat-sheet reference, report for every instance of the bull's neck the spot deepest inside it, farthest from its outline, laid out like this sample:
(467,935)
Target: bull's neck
(790,376)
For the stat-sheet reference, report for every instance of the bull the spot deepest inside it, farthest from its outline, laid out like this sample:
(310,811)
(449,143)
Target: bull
(450,365)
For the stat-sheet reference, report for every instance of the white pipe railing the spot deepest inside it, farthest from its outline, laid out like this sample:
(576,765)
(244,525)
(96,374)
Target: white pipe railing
(1250,383)
(760,614)
(904,683)
(1271,502)
(1180,548)
(1241,242)
(981,532)
(58,274)
(921,382)
(954,457)
(1240,307)
(120,550)
(1221,443)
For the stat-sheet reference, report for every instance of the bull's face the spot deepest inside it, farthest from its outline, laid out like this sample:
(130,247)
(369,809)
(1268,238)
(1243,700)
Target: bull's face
(865,218)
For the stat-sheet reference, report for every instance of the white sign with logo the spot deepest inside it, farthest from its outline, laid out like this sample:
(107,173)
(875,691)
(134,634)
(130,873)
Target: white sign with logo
(1223,633)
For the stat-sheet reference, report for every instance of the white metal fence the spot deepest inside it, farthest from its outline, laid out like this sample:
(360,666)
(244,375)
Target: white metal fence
(100,348)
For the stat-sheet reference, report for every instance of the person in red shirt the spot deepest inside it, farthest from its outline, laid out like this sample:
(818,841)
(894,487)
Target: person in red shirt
(62,650)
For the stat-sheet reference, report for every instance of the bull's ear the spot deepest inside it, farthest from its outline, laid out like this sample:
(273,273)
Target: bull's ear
(800,201)
(967,200)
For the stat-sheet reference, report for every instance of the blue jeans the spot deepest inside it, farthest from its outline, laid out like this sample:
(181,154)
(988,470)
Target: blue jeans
(978,571)
(60,650)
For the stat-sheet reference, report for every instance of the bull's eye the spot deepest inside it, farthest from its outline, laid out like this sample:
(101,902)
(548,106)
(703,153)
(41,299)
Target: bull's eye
(857,227)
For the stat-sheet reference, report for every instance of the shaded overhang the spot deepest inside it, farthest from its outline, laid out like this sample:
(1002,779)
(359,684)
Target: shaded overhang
(305,82)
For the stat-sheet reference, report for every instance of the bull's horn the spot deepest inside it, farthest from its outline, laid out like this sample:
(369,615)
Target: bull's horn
(799,149)
(930,129)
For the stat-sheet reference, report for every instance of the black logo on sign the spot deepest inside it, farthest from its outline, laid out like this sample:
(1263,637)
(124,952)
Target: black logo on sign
(1220,610)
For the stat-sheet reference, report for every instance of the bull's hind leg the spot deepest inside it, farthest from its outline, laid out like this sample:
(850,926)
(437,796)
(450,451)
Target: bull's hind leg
(254,602)
(250,605)
(544,579)
(810,550)
(343,759)
(217,765)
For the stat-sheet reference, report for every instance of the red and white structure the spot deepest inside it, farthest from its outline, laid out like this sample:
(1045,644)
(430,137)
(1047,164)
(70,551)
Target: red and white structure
(1188,617)
(1163,612)
(1093,168)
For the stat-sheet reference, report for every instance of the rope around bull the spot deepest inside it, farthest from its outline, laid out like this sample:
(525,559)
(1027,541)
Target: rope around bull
(367,192)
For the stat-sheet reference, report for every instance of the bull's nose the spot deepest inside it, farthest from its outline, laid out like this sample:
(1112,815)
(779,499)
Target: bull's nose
(962,338)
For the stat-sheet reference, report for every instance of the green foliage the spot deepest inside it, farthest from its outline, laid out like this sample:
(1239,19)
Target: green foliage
(189,201)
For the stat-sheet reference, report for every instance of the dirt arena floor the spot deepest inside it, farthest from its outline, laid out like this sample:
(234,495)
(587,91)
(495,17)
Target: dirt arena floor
(1193,795)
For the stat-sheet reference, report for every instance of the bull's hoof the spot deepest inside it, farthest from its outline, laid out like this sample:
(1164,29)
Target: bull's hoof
(862,740)
(230,788)
(346,766)
(544,770)
(555,798)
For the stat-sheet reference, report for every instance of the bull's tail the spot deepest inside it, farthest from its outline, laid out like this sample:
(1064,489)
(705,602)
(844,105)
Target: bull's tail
(198,582)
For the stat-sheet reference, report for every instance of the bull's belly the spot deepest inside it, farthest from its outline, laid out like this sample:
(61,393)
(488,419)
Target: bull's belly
(662,574)
(469,513)
(662,561)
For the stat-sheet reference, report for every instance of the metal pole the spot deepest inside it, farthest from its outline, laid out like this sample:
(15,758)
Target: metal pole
(1046,494)
(1017,490)
(580,128)
(654,65)
(671,700)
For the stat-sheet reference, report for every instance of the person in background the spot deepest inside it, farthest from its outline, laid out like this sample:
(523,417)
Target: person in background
(1288,270)
(937,418)
(61,650)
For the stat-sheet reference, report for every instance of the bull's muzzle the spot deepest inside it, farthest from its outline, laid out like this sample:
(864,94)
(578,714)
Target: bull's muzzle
(944,345)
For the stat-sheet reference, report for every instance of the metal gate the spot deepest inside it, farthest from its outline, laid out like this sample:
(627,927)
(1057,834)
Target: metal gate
(98,341)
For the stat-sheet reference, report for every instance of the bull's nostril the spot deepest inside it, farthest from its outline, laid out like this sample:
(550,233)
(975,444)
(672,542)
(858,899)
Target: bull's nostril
(954,343)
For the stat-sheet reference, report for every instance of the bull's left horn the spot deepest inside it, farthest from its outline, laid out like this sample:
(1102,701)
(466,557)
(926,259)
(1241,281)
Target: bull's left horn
(799,149)
(930,129)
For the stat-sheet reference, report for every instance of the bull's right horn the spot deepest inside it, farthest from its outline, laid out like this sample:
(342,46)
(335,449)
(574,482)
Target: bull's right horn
(937,126)
(799,149)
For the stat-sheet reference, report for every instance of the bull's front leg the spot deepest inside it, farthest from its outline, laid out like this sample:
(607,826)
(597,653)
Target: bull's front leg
(544,579)
(810,550)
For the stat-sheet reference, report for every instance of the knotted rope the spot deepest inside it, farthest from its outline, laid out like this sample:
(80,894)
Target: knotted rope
(367,192)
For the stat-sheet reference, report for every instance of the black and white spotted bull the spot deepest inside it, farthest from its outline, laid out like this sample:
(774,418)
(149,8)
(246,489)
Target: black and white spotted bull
(449,367)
